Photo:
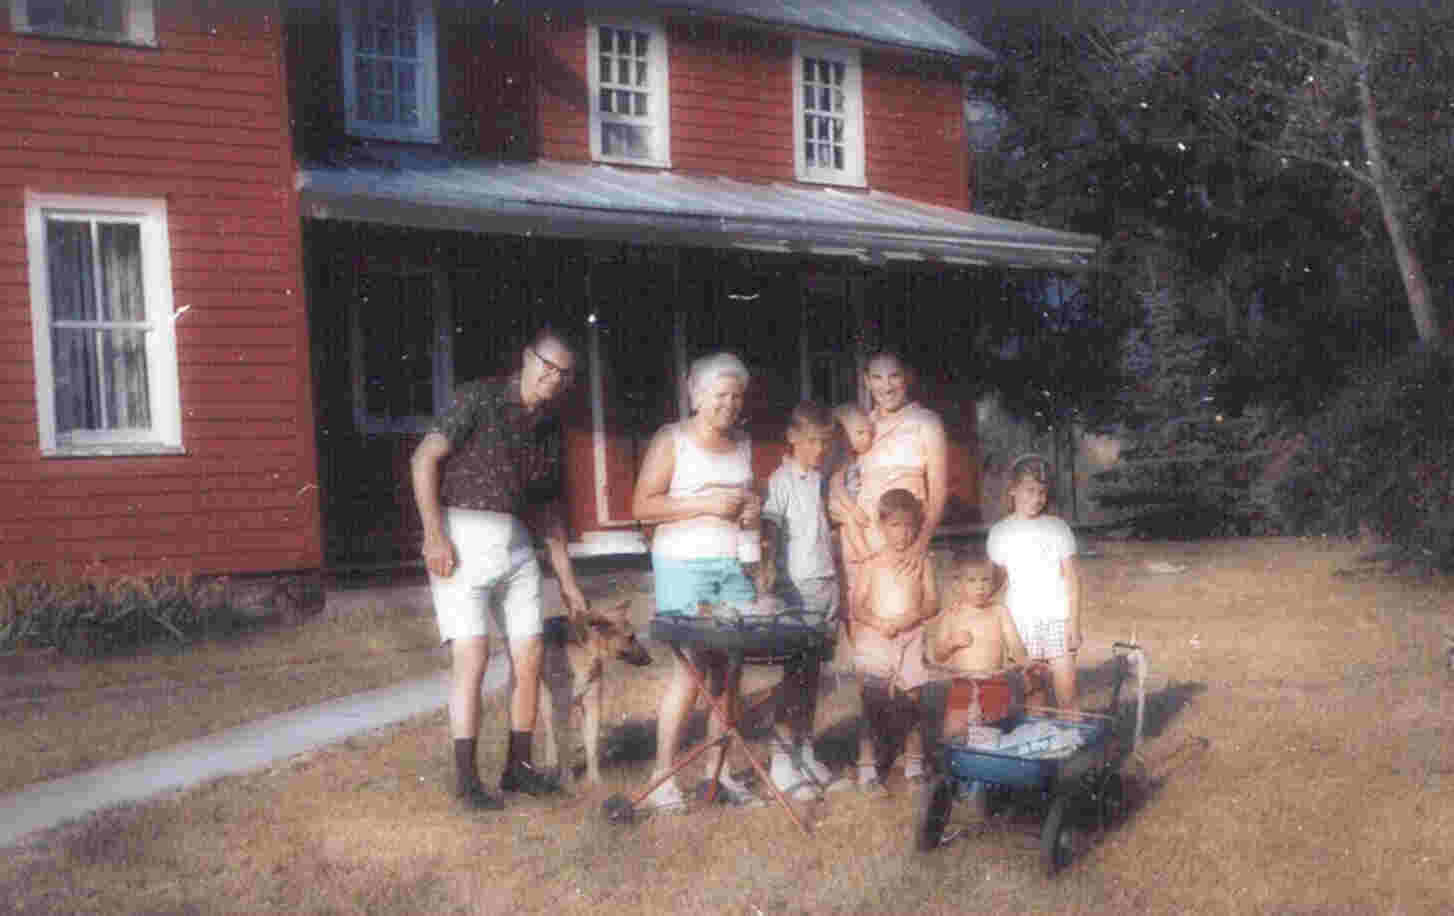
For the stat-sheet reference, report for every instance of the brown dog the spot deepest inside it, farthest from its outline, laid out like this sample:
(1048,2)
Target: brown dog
(573,671)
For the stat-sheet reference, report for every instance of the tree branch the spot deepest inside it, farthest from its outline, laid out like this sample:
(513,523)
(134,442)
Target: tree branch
(1230,127)
(1334,45)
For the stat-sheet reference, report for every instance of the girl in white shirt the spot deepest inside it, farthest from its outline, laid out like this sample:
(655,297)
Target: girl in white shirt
(1035,552)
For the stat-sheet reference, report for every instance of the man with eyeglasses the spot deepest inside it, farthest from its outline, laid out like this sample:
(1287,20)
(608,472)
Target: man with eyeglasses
(490,466)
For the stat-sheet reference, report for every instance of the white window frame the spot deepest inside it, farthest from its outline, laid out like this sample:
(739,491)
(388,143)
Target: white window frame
(165,434)
(426,85)
(441,354)
(658,117)
(853,174)
(138,25)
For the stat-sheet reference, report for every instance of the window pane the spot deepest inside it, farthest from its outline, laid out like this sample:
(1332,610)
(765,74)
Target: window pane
(641,44)
(807,70)
(641,73)
(72,276)
(808,96)
(823,76)
(78,395)
(825,99)
(623,71)
(606,96)
(623,101)
(838,70)
(640,100)
(121,290)
(838,157)
(837,99)
(810,154)
(123,378)
(837,131)
(605,40)
(80,15)
(605,68)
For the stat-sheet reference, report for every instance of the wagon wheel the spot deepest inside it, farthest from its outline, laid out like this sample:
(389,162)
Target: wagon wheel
(1111,799)
(935,803)
(1057,836)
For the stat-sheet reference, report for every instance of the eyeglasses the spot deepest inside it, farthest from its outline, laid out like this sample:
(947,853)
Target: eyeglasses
(552,369)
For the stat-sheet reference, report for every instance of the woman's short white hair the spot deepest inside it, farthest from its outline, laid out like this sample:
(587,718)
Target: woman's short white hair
(707,369)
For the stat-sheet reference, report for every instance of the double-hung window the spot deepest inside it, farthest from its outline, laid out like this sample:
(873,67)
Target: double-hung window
(828,114)
(124,21)
(629,117)
(390,69)
(101,303)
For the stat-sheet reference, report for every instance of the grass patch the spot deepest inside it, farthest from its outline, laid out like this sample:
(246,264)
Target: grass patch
(1299,762)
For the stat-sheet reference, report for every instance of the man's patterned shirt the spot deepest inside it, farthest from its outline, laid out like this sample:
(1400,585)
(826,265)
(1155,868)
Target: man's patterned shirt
(502,458)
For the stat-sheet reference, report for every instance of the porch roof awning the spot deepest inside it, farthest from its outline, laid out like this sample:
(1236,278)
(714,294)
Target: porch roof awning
(576,200)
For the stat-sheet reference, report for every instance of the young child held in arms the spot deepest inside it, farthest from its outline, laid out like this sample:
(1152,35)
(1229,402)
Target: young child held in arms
(973,640)
(844,486)
(795,524)
(1035,551)
(889,609)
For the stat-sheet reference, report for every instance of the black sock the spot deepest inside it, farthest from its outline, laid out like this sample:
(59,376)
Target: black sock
(518,750)
(466,776)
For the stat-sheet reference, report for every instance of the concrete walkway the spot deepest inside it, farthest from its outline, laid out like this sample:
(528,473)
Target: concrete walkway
(236,750)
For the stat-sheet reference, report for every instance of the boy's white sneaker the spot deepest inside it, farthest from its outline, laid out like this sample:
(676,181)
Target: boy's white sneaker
(665,799)
(814,768)
(732,792)
(790,780)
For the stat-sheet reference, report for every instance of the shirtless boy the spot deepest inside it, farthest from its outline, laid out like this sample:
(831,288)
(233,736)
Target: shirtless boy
(973,640)
(889,609)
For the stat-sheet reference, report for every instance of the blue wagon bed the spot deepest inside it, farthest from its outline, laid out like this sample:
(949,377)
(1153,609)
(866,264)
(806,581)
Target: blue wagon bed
(1068,764)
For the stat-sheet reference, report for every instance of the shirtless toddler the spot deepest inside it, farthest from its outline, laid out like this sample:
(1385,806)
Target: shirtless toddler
(972,641)
(889,607)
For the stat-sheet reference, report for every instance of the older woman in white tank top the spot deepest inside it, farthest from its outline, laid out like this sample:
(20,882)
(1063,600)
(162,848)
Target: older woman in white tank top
(696,486)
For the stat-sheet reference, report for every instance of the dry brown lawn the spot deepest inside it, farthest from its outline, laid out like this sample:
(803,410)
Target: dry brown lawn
(1299,760)
(59,715)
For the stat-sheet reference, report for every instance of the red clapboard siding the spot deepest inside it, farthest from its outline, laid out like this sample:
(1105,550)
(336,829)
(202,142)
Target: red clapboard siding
(562,87)
(731,103)
(200,120)
(914,130)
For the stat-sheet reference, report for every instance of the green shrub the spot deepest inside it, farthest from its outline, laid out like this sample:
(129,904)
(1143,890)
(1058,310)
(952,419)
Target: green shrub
(96,614)
(1379,457)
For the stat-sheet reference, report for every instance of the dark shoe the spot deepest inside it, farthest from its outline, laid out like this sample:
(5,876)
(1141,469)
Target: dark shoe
(477,799)
(522,777)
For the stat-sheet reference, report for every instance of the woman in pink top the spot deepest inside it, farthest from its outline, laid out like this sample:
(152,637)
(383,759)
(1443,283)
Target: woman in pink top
(908,453)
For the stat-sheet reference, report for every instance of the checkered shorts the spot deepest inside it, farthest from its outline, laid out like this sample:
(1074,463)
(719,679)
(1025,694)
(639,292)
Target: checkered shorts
(1045,639)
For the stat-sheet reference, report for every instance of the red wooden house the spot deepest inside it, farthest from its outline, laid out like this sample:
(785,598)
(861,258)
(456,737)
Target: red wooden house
(155,401)
(434,179)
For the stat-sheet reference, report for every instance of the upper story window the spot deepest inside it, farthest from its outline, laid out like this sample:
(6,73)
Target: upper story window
(101,304)
(390,69)
(828,114)
(629,120)
(128,21)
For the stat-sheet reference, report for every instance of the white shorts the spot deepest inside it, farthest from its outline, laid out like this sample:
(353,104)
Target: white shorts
(495,587)
(1044,639)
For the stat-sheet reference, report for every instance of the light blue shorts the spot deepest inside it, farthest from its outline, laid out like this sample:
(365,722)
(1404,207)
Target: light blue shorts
(683,584)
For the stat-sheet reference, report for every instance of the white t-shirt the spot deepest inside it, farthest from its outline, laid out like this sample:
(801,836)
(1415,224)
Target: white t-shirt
(795,504)
(1031,550)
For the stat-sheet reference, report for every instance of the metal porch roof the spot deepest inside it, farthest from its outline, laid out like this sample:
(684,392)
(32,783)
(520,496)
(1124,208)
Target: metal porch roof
(576,200)
(906,23)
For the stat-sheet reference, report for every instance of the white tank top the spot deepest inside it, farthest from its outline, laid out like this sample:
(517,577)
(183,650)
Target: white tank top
(694,469)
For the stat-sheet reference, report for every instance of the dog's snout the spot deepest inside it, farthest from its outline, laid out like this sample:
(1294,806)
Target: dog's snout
(634,653)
